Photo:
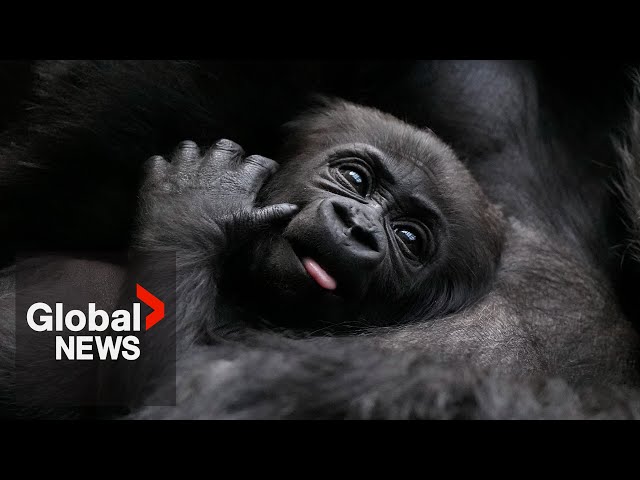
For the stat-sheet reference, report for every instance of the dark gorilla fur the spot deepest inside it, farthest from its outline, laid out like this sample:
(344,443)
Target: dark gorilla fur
(629,184)
(549,339)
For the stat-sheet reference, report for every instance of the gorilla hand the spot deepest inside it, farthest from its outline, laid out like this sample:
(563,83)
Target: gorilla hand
(205,201)
(194,212)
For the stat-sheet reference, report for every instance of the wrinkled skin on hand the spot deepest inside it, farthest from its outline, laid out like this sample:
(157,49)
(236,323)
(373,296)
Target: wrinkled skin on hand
(219,187)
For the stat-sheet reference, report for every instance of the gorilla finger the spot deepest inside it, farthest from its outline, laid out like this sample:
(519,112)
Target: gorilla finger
(265,216)
(186,155)
(258,169)
(229,145)
(155,170)
(223,151)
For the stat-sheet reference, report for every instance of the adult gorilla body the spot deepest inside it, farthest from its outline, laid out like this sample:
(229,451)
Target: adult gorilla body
(551,311)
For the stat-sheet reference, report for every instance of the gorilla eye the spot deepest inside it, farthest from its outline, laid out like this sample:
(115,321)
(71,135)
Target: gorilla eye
(356,178)
(413,239)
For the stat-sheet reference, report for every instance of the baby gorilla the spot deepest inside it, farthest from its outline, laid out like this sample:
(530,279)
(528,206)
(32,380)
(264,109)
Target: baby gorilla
(368,221)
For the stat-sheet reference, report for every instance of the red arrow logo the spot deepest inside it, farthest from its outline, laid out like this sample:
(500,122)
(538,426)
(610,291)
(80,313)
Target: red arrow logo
(154,302)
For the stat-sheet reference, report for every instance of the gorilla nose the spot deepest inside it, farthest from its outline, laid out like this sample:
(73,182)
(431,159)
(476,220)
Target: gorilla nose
(361,227)
(357,224)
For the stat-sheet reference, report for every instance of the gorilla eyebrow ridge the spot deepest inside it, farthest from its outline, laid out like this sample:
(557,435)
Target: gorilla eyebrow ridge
(380,160)
(423,208)
(400,155)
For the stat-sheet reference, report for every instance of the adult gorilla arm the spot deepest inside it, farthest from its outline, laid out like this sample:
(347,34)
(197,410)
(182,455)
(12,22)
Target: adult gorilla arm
(537,346)
(349,378)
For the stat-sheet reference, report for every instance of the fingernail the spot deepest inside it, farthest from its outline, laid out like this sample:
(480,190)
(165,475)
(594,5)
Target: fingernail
(225,143)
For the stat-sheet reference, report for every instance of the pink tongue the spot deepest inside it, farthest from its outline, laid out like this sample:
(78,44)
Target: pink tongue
(316,272)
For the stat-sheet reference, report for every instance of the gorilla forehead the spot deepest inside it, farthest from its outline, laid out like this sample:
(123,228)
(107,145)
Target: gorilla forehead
(417,160)
(337,122)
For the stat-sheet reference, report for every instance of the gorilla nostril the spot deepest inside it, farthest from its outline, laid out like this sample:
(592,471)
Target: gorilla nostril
(365,237)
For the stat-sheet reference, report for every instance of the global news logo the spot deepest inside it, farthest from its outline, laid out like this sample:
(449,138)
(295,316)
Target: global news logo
(123,343)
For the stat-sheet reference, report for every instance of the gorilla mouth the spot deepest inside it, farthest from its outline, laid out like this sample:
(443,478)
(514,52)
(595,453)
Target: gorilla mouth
(319,274)
(311,267)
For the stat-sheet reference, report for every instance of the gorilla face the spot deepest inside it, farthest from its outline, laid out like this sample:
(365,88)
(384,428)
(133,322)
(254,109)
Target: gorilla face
(391,225)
